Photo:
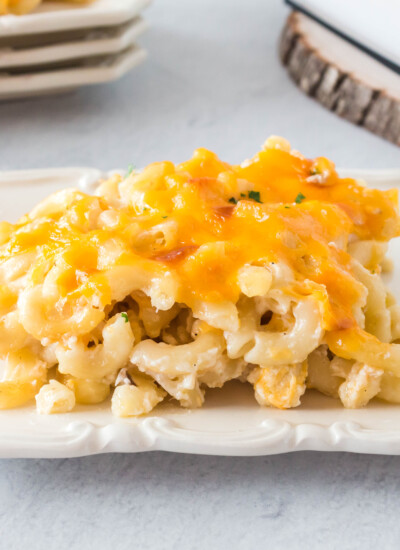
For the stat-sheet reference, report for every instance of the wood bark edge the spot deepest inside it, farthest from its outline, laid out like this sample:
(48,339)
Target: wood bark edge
(335,89)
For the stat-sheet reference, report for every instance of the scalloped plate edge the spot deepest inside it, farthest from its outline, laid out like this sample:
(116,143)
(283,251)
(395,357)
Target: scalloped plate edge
(81,437)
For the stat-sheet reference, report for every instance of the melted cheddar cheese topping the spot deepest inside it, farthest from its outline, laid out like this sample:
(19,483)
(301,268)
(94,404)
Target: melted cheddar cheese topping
(203,220)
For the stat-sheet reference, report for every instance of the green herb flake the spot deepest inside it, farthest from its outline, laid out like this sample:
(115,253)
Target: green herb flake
(300,198)
(255,196)
(131,168)
(287,207)
(125,316)
(164,217)
(242,194)
(315,171)
(232,200)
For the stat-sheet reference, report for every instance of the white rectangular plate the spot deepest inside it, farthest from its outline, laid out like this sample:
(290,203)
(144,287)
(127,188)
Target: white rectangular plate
(91,70)
(95,42)
(230,423)
(56,16)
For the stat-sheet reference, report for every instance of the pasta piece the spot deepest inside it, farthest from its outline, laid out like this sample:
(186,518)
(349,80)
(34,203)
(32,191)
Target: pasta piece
(88,392)
(15,393)
(377,315)
(277,142)
(387,265)
(185,388)
(42,317)
(389,388)
(137,398)
(176,368)
(13,335)
(13,271)
(321,376)
(251,316)
(366,348)
(161,237)
(153,357)
(55,204)
(219,315)
(361,385)
(162,289)
(292,346)
(395,322)
(99,361)
(24,366)
(154,320)
(241,340)
(279,386)
(369,254)
(55,398)
(224,370)
(6,228)
(254,280)
(109,190)
(180,329)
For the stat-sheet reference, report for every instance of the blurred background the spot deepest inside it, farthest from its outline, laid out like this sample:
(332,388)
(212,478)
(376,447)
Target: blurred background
(212,78)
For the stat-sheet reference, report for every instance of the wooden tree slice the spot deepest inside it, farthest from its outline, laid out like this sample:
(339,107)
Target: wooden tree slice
(341,77)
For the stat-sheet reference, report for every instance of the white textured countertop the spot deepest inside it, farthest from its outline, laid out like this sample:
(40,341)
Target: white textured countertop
(212,79)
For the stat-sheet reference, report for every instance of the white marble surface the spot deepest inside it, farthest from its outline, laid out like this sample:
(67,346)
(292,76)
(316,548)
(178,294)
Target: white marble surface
(212,79)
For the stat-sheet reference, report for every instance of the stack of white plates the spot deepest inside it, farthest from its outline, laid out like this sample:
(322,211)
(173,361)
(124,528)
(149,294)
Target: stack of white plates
(63,46)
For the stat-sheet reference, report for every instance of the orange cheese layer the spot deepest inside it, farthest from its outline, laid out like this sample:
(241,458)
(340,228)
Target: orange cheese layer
(224,217)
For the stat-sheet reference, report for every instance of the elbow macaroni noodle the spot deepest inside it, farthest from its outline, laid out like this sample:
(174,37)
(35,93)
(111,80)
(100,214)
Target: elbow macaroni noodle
(180,278)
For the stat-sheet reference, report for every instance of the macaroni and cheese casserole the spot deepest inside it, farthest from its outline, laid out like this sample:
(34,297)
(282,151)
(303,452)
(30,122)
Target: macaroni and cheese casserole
(179,278)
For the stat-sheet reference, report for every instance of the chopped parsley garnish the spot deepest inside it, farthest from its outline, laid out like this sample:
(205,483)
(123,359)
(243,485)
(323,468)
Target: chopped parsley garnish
(125,316)
(300,198)
(131,168)
(164,217)
(287,206)
(255,196)
(242,194)
(232,200)
(315,171)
